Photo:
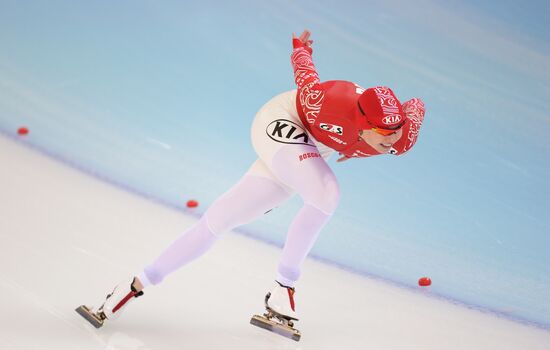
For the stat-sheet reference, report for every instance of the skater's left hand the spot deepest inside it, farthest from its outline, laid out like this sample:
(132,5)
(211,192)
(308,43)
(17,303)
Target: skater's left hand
(304,40)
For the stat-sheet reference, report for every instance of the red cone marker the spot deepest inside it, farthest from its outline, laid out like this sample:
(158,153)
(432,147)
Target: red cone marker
(22,131)
(192,203)
(424,281)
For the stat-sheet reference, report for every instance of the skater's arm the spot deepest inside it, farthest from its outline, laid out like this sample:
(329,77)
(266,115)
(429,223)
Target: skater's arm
(305,73)
(310,96)
(414,110)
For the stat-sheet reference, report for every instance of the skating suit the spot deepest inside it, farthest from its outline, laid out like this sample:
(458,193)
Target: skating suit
(293,134)
(326,112)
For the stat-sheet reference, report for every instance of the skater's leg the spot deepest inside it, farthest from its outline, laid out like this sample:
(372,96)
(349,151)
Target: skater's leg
(310,176)
(192,243)
(251,197)
(301,237)
(258,192)
(298,163)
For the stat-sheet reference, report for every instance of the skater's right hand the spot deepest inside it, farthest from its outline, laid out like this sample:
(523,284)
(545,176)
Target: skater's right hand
(343,158)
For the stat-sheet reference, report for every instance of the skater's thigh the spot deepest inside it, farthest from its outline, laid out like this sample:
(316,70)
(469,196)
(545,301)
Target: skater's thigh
(303,169)
(290,154)
(250,198)
(260,169)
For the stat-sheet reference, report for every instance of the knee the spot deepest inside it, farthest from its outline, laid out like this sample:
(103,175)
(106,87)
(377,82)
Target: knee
(326,197)
(331,197)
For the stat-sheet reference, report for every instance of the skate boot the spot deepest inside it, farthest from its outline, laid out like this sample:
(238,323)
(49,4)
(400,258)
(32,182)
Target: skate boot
(280,312)
(113,306)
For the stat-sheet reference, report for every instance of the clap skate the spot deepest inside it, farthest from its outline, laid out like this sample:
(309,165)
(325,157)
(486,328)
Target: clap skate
(113,305)
(280,315)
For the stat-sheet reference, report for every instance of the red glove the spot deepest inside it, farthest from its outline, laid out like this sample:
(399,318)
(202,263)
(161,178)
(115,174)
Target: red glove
(302,41)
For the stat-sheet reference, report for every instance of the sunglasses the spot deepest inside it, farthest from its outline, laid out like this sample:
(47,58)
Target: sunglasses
(386,132)
(381,131)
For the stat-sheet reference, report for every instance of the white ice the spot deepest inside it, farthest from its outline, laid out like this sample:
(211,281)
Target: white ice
(66,238)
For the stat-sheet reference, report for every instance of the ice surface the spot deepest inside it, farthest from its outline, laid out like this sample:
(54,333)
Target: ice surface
(159,96)
(67,238)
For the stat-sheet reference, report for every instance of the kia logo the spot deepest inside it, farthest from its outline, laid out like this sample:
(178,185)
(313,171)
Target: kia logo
(286,131)
(391,119)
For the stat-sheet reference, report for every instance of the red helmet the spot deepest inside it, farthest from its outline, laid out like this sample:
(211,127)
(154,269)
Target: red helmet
(379,108)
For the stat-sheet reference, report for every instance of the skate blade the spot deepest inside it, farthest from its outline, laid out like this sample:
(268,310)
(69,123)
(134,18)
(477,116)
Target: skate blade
(275,327)
(90,316)
(276,314)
